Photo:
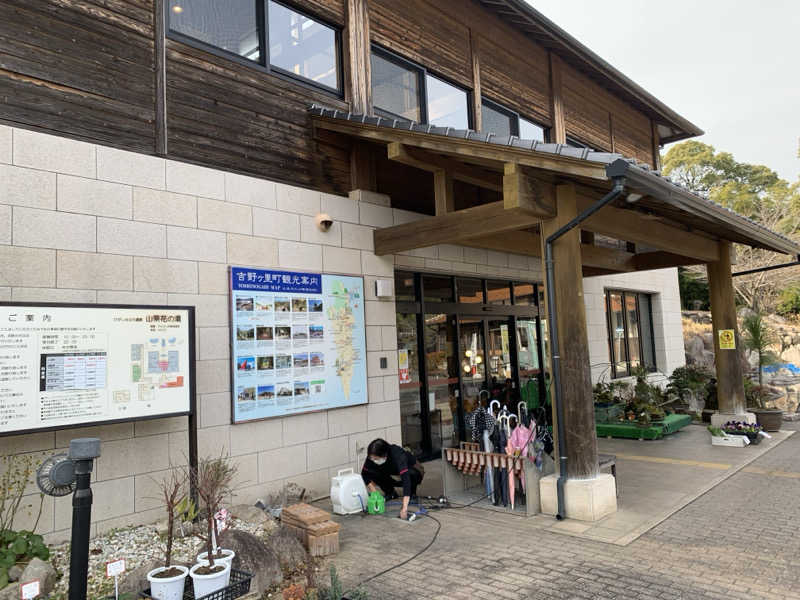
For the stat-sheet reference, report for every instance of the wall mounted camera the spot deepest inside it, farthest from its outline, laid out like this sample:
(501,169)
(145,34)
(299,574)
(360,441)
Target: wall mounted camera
(324,222)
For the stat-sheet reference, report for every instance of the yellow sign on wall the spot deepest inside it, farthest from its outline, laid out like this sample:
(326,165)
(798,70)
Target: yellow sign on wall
(727,339)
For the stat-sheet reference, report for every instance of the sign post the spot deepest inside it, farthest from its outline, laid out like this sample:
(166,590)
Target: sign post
(115,568)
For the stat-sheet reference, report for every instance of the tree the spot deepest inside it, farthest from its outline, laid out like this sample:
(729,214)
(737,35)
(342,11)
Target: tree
(754,191)
(757,337)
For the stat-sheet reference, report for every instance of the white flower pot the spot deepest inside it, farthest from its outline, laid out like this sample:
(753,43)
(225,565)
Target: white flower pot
(167,588)
(208,584)
(228,557)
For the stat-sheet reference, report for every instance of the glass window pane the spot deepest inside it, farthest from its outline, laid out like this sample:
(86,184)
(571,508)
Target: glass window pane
(395,88)
(470,290)
(447,104)
(646,320)
(410,387)
(302,46)
(616,314)
(495,121)
(404,286)
(499,292)
(527,350)
(437,289)
(632,315)
(228,25)
(442,366)
(524,294)
(529,130)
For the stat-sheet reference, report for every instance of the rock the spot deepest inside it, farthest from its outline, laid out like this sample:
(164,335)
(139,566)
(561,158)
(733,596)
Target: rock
(10,592)
(708,341)
(253,556)
(288,548)
(14,573)
(694,347)
(180,530)
(43,571)
(251,514)
(135,580)
(745,312)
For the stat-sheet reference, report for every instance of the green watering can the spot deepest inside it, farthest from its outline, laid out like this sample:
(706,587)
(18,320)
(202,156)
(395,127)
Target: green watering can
(376,505)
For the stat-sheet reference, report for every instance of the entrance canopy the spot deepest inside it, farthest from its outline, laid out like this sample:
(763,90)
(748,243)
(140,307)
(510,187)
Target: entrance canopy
(656,224)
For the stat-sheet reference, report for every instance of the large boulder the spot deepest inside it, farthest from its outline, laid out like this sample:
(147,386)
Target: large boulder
(134,581)
(288,548)
(10,592)
(43,571)
(694,349)
(251,514)
(253,556)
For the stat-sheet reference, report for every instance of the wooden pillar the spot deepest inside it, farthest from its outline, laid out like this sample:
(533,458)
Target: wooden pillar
(656,146)
(474,49)
(558,134)
(358,74)
(160,62)
(576,380)
(730,385)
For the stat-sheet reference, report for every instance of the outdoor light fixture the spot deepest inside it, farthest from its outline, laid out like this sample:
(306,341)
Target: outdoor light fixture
(177,9)
(468,353)
(467,368)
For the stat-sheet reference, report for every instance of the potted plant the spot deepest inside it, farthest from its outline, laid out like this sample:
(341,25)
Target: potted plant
(751,430)
(758,337)
(167,582)
(212,479)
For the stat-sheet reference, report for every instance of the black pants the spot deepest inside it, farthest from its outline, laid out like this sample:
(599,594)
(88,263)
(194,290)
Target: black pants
(387,483)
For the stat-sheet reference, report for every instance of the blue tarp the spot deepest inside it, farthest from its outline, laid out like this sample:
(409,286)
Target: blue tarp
(788,366)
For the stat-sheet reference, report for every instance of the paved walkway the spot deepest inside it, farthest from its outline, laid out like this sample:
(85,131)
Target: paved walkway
(739,540)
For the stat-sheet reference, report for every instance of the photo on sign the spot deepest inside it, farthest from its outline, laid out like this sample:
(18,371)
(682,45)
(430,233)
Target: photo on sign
(300,332)
(316,332)
(284,389)
(266,363)
(283,361)
(300,389)
(314,305)
(245,334)
(282,305)
(301,361)
(266,392)
(246,363)
(244,304)
(264,334)
(263,304)
(317,359)
(247,394)
(299,305)
(283,333)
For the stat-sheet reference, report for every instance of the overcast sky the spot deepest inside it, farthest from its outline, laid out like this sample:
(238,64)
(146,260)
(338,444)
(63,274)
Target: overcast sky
(731,67)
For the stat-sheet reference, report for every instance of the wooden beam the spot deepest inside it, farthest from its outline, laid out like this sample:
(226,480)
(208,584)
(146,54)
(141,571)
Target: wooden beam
(357,64)
(444,195)
(559,130)
(160,29)
(647,261)
(656,146)
(452,228)
(730,388)
(628,225)
(414,157)
(522,190)
(467,150)
(474,50)
(363,172)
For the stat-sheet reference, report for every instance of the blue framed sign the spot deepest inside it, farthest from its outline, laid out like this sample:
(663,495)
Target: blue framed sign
(298,343)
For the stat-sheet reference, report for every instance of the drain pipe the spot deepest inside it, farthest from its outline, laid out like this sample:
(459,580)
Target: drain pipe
(617,176)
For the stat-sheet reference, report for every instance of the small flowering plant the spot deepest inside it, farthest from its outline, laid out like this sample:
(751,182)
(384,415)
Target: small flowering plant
(741,428)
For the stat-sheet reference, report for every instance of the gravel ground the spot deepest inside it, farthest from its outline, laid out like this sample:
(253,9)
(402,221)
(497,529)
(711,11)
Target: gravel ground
(138,546)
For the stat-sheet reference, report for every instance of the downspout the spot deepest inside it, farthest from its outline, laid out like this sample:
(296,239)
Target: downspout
(617,175)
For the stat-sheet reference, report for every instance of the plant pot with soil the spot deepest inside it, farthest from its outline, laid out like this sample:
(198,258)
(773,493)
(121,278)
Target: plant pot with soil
(167,582)
(752,431)
(770,419)
(208,579)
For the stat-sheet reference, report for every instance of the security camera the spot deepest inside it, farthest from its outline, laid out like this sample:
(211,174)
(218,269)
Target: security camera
(324,222)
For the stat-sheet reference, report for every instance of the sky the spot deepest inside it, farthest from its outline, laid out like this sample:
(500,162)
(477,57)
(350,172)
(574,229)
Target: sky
(730,67)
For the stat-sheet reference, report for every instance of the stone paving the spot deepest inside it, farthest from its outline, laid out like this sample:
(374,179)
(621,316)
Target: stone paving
(740,540)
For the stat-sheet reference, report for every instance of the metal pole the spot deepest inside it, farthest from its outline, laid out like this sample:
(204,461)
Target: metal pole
(82,452)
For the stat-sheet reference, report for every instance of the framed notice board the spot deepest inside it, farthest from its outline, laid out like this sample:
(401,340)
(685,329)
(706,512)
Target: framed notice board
(70,365)
(298,343)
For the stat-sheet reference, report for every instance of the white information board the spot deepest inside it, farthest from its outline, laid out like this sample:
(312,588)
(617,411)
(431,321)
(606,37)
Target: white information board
(298,341)
(64,365)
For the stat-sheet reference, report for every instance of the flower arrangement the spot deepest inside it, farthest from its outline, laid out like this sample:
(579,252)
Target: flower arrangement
(741,428)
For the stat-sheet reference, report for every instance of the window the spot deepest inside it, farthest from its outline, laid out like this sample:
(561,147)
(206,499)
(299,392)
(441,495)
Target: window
(503,121)
(447,104)
(292,44)
(231,26)
(470,291)
(302,46)
(404,90)
(630,332)
(571,141)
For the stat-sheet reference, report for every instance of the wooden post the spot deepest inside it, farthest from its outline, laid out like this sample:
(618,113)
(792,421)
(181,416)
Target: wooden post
(559,130)
(730,385)
(358,72)
(656,146)
(159,30)
(474,48)
(576,380)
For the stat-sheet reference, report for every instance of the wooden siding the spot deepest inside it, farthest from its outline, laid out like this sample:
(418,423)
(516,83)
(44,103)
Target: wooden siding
(79,68)
(332,11)
(225,114)
(419,31)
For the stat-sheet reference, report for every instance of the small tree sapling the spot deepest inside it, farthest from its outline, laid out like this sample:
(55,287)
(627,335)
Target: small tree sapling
(212,480)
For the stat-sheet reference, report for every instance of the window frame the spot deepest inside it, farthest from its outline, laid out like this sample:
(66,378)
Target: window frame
(624,294)
(263,64)
(422,85)
(515,117)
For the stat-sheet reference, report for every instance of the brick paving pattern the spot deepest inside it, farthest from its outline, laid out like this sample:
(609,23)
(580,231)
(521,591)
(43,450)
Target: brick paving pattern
(741,540)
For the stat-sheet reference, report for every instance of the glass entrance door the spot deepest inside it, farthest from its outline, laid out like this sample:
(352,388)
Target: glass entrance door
(441,367)
(412,426)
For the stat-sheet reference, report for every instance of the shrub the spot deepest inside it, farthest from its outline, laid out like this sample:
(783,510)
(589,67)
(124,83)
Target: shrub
(789,301)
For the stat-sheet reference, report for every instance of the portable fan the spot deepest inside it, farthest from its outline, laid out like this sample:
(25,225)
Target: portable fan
(56,475)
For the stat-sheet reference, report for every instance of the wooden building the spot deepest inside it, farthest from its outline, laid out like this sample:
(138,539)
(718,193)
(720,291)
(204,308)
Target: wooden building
(146,145)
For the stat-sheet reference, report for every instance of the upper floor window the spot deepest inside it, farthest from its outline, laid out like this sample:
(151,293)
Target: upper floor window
(405,90)
(630,332)
(292,43)
(503,121)
(571,141)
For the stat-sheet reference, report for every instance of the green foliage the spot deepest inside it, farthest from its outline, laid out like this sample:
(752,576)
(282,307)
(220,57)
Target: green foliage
(789,301)
(693,290)
(715,431)
(17,471)
(609,392)
(335,591)
(19,547)
(689,379)
(757,337)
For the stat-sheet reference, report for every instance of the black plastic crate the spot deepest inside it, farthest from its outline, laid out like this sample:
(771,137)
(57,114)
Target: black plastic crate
(239,585)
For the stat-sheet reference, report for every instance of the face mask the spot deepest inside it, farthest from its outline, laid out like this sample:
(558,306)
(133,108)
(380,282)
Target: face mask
(379,461)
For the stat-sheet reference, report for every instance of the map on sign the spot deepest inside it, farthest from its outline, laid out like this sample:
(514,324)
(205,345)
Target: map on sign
(298,342)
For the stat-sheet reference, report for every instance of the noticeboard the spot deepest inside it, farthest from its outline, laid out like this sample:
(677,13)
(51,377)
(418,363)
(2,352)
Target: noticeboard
(66,365)
(298,343)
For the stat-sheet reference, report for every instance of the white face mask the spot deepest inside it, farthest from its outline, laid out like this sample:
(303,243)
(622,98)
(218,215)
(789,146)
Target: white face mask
(378,461)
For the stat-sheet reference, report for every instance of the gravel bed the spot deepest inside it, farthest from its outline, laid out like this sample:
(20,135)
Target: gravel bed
(138,546)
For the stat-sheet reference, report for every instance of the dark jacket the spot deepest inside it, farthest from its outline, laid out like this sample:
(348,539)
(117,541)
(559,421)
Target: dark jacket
(398,462)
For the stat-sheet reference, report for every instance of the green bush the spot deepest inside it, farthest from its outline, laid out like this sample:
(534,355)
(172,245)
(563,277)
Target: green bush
(19,547)
(789,301)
